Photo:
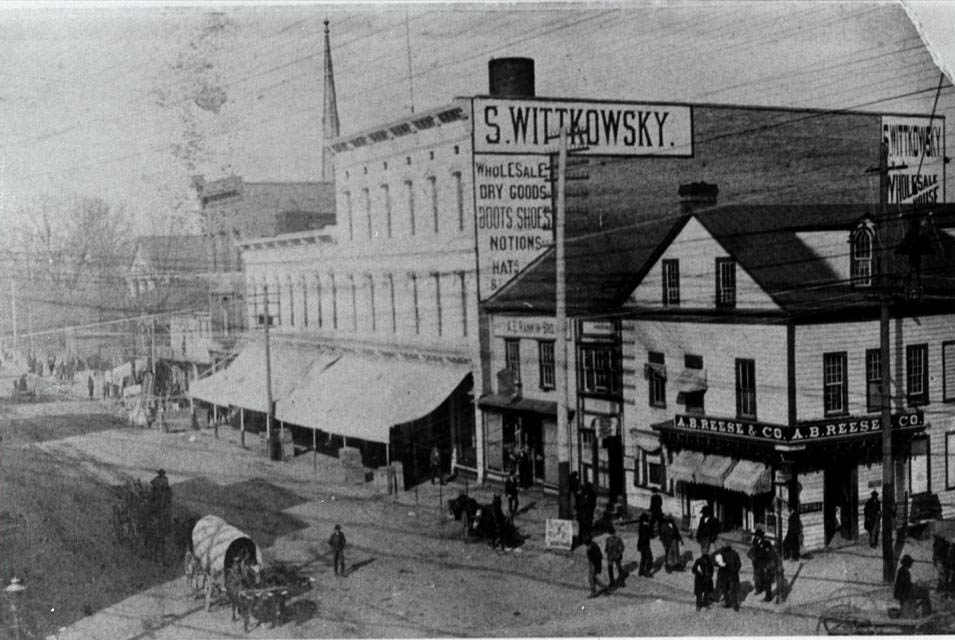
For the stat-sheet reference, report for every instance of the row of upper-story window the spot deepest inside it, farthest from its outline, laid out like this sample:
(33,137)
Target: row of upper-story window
(860,263)
(725,282)
(414,208)
(423,304)
(599,371)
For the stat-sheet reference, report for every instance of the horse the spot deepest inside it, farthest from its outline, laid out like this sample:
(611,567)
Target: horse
(485,521)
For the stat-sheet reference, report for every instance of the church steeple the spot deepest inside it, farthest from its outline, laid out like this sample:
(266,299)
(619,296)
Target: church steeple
(329,111)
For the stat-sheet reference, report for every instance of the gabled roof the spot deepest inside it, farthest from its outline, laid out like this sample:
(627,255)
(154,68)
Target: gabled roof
(604,268)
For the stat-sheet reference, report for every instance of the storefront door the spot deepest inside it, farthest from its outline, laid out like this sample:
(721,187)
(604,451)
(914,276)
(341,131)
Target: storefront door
(841,501)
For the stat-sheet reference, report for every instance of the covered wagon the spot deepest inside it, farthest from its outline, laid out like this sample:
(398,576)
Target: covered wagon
(216,545)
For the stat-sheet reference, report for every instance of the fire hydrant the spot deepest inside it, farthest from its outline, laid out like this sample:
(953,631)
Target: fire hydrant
(14,591)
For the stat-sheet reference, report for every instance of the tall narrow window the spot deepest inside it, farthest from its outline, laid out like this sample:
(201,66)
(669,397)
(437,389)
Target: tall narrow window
(291,302)
(655,373)
(371,299)
(334,302)
(512,356)
(948,371)
(725,282)
(916,374)
(464,303)
(304,301)
(835,383)
(318,300)
(437,302)
(873,380)
(354,303)
(414,295)
(433,189)
(278,301)
(861,261)
(545,351)
(348,214)
(746,388)
(458,198)
(366,202)
(394,311)
(386,203)
(671,282)
(409,190)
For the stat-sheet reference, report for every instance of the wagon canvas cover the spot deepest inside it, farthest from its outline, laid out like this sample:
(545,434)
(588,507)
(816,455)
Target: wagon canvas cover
(211,538)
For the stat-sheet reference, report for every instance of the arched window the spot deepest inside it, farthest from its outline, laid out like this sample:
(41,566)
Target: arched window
(861,256)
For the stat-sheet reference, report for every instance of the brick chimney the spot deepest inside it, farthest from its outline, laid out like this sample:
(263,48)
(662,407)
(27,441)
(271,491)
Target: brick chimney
(697,195)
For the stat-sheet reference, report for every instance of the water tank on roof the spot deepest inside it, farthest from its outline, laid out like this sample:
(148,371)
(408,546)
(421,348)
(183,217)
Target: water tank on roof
(511,77)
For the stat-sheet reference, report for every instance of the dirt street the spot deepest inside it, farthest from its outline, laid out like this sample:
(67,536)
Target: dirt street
(410,574)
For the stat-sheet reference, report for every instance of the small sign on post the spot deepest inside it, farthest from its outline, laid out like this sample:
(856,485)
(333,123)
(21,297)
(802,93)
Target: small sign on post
(559,534)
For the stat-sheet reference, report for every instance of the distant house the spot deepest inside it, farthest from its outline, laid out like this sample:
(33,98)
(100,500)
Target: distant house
(166,272)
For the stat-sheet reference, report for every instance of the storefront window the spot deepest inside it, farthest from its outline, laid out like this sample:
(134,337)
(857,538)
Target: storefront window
(835,383)
(650,472)
(919,467)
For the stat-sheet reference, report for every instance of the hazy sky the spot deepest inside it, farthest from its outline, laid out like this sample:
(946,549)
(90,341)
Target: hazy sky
(126,102)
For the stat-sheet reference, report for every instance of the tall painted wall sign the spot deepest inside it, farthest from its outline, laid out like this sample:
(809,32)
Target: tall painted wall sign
(513,193)
(918,143)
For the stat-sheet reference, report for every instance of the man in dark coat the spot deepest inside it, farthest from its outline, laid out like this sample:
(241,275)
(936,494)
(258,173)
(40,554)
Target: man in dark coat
(793,540)
(656,512)
(89,385)
(728,564)
(671,539)
(586,503)
(337,542)
(910,596)
(613,548)
(511,491)
(703,581)
(708,530)
(644,534)
(871,515)
(764,564)
(594,566)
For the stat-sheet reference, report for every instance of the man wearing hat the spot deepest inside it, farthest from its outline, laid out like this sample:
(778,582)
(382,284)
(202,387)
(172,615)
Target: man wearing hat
(337,543)
(764,564)
(909,595)
(871,515)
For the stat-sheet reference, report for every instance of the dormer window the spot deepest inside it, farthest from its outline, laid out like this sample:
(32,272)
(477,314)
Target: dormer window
(861,255)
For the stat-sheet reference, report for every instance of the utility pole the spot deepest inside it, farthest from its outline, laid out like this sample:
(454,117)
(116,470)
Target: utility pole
(13,310)
(268,379)
(888,466)
(560,355)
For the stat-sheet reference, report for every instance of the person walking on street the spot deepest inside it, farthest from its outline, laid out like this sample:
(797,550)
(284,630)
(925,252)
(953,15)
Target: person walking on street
(656,512)
(671,539)
(586,503)
(909,595)
(337,542)
(764,564)
(595,566)
(89,386)
(872,513)
(703,581)
(793,540)
(728,564)
(708,530)
(435,460)
(643,546)
(511,491)
(613,548)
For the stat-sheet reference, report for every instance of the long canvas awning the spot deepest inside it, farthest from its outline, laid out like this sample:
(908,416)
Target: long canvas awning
(713,470)
(243,383)
(363,397)
(749,477)
(683,467)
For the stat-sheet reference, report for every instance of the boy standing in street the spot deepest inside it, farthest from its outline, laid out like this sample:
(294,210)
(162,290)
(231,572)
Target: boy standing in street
(337,543)
(613,547)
